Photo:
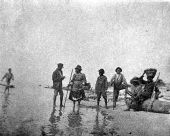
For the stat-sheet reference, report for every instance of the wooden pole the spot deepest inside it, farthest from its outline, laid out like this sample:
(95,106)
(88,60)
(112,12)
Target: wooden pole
(68,89)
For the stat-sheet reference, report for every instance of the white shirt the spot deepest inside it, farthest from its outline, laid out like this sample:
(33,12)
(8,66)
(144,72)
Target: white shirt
(118,78)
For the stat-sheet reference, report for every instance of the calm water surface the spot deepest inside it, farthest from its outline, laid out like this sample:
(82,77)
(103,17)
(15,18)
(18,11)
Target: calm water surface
(27,110)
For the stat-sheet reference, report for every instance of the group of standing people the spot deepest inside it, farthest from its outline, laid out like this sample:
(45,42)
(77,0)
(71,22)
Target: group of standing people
(78,83)
(142,91)
(118,82)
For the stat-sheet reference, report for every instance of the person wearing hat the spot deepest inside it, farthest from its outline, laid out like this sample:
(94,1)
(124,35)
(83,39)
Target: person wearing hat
(101,87)
(149,85)
(57,78)
(118,82)
(77,84)
(144,89)
(8,76)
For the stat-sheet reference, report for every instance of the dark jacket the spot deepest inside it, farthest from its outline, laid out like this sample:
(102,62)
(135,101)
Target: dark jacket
(149,88)
(101,84)
(57,78)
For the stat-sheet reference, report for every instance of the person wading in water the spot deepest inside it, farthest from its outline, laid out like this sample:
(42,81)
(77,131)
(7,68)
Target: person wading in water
(77,86)
(57,78)
(101,87)
(9,76)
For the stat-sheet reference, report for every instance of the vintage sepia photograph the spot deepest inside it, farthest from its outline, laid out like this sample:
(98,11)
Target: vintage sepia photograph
(84,67)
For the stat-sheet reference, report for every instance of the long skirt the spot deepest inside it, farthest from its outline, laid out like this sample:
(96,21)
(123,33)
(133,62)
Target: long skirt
(77,95)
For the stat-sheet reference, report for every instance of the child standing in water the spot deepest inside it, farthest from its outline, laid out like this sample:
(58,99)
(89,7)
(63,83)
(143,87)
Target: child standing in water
(101,87)
(8,76)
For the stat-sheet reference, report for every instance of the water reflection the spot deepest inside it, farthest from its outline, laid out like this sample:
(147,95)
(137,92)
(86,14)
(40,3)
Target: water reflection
(99,130)
(75,123)
(5,103)
(53,118)
(53,129)
(74,118)
(4,117)
(24,116)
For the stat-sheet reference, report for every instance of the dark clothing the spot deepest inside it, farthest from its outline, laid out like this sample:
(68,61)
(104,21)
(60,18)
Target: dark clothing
(103,94)
(143,90)
(77,96)
(148,89)
(116,93)
(101,87)
(8,77)
(77,92)
(57,78)
(115,96)
(101,84)
(143,94)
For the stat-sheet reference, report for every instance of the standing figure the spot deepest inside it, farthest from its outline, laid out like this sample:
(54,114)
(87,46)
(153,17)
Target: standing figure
(101,87)
(57,78)
(78,81)
(118,82)
(8,77)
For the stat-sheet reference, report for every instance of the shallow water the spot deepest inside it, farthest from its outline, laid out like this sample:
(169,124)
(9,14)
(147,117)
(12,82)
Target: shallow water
(27,110)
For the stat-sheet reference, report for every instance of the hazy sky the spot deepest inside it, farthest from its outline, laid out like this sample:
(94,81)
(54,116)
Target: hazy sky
(35,35)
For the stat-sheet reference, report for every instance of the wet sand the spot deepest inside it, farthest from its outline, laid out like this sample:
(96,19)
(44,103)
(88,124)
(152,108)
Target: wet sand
(132,123)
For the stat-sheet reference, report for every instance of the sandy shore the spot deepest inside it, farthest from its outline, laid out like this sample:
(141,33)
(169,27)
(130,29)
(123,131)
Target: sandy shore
(124,123)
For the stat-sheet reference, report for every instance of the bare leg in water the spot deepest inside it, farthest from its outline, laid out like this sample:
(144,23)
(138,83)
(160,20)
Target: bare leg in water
(54,98)
(61,100)
(79,102)
(74,105)
(7,87)
(105,100)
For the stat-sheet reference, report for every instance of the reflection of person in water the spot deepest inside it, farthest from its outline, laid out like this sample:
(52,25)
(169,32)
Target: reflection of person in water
(53,120)
(74,122)
(4,115)
(5,103)
(97,128)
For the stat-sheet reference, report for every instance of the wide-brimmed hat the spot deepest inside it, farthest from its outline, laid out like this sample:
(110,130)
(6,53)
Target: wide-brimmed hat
(60,64)
(101,70)
(118,68)
(150,72)
(78,67)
